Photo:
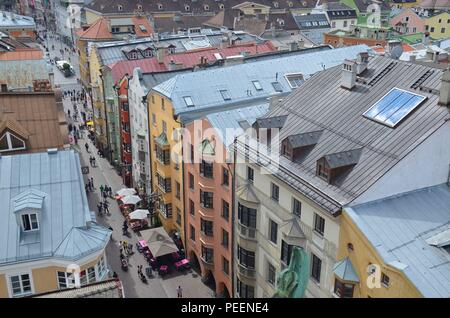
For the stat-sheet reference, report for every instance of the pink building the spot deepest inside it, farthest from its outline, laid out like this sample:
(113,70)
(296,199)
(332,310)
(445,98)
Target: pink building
(408,22)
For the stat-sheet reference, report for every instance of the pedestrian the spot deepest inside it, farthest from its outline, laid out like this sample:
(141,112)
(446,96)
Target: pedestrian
(92,183)
(179,292)
(101,189)
(99,208)
(105,195)
(86,146)
(90,161)
(93,160)
(130,249)
(115,276)
(106,208)
(86,187)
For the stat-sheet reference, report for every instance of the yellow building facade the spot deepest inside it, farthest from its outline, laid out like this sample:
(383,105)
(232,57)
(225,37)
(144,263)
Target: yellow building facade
(50,275)
(354,246)
(166,163)
(438,25)
(403,5)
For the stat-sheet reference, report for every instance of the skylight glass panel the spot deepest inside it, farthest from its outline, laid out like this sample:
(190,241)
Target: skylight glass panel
(188,100)
(393,107)
(225,94)
(277,87)
(257,85)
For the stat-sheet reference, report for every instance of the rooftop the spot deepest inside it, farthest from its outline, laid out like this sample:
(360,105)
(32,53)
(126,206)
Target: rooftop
(259,80)
(63,221)
(105,289)
(403,230)
(34,118)
(312,21)
(338,112)
(20,68)
(12,20)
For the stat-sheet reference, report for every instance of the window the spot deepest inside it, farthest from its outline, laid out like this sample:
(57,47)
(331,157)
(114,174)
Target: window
(296,207)
(275,192)
(322,171)
(406,19)
(221,6)
(191,181)
(162,156)
(177,190)
(206,169)
(257,85)
(206,199)
(192,231)
(30,222)
(414,30)
(164,127)
(225,210)
(426,28)
(294,80)
(245,291)
(188,100)
(271,273)
(153,99)
(225,238)
(153,119)
(440,20)
(345,24)
(277,87)
(316,268)
(119,8)
(225,95)
(432,29)
(186,7)
(385,280)
(250,174)
(206,227)
(9,142)
(164,183)
(191,207)
(225,176)
(166,210)
(192,153)
(101,267)
(286,251)
(208,254)
(333,25)
(319,224)
(442,30)
(246,258)
(343,290)
(206,7)
(67,280)
(178,216)
(273,231)
(163,106)
(225,266)
(20,285)
(247,216)
(160,6)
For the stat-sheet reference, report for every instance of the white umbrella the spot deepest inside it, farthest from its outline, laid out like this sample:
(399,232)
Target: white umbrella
(131,199)
(139,214)
(126,191)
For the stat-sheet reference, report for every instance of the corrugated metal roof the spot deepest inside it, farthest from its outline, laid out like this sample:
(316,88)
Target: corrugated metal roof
(22,73)
(204,87)
(12,20)
(398,228)
(65,212)
(322,104)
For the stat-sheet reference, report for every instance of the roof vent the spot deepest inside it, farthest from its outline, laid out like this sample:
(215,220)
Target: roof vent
(444,92)
(348,74)
(52,151)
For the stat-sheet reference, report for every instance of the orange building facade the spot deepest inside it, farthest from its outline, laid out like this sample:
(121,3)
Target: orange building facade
(340,40)
(208,206)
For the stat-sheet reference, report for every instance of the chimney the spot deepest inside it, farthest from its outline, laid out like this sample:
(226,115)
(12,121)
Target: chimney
(412,58)
(348,75)
(160,54)
(362,61)
(426,39)
(301,44)
(444,91)
(293,46)
(394,49)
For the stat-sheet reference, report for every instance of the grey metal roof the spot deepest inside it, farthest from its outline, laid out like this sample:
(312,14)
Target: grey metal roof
(229,121)
(305,139)
(343,158)
(204,87)
(64,213)
(272,122)
(322,104)
(20,74)
(12,20)
(398,228)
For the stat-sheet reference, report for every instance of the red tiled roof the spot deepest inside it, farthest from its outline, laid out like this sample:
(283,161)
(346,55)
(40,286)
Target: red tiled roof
(187,59)
(381,50)
(99,30)
(137,21)
(21,55)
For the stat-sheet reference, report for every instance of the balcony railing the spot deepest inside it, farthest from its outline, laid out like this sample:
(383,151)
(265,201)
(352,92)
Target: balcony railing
(247,232)
(247,272)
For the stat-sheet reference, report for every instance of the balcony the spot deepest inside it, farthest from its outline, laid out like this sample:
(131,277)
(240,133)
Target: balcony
(246,232)
(246,272)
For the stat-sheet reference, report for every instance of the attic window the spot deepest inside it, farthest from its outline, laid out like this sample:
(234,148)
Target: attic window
(322,171)
(30,222)
(393,107)
(147,53)
(206,7)
(277,86)
(221,6)
(275,4)
(188,100)
(187,8)
(257,85)
(143,28)
(294,80)
(139,7)
(225,94)
(332,166)
(119,7)
(9,142)
(133,55)
(160,6)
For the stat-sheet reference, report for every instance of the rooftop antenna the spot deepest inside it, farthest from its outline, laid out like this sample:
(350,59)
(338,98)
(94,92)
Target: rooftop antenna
(276,77)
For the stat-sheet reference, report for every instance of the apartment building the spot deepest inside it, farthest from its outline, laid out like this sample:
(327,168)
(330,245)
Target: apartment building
(345,138)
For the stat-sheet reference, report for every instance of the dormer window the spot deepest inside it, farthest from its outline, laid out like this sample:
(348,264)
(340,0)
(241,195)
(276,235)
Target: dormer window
(333,166)
(119,7)
(296,146)
(206,7)
(10,142)
(294,80)
(290,4)
(30,222)
(139,7)
(187,8)
(133,55)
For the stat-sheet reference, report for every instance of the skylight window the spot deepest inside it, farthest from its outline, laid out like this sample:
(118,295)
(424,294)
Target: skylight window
(225,94)
(394,106)
(294,80)
(257,85)
(277,87)
(188,100)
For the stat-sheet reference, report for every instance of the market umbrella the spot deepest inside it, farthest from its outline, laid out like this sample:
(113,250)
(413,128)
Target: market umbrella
(139,215)
(159,242)
(131,199)
(126,191)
